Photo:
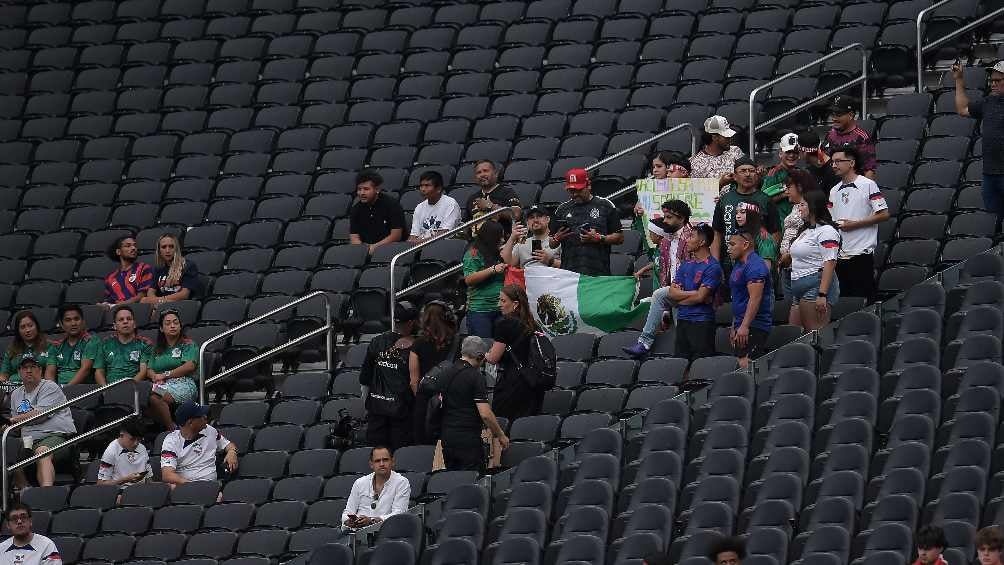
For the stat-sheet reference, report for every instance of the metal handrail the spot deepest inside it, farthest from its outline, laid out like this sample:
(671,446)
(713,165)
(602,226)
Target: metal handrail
(328,328)
(7,470)
(863,80)
(921,48)
(393,261)
(694,135)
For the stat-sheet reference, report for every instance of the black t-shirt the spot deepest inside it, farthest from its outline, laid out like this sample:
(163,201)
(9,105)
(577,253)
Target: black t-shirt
(990,112)
(373,222)
(513,396)
(461,420)
(500,195)
(428,354)
(395,361)
(189,280)
(587,258)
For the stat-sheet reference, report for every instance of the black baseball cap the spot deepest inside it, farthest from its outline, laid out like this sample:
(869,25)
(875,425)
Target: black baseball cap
(405,312)
(28,359)
(188,410)
(844,105)
(536,210)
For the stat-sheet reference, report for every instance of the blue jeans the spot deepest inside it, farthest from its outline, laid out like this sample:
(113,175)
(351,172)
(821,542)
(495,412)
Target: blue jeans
(993,193)
(660,303)
(807,288)
(482,324)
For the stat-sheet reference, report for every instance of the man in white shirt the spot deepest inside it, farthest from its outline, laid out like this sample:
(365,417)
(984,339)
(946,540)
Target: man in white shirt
(379,495)
(125,460)
(528,251)
(436,214)
(25,547)
(189,452)
(857,207)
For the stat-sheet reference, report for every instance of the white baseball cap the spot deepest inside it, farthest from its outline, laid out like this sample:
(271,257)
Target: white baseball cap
(789,142)
(719,125)
(999,67)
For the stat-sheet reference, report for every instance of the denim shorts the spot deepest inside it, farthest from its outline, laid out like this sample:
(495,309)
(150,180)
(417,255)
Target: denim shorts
(807,288)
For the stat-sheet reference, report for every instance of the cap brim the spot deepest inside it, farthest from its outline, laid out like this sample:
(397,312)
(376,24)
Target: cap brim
(728,133)
(789,148)
(575,186)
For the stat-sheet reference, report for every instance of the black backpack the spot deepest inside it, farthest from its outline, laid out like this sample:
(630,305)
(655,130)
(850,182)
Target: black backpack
(541,369)
(389,393)
(433,386)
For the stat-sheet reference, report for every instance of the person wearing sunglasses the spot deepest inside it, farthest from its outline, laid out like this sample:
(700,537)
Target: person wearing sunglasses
(25,547)
(990,113)
(378,495)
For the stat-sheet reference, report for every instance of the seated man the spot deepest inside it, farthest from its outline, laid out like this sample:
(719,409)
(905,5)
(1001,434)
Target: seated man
(131,280)
(71,358)
(189,452)
(121,355)
(33,397)
(376,218)
(379,495)
(25,547)
(125,460)
(438,213)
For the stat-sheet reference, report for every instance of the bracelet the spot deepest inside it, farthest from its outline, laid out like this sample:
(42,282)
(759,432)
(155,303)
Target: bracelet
(821,293)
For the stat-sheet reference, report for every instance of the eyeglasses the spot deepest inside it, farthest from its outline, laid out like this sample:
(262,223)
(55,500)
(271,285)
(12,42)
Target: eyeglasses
(18,518)
(842,160)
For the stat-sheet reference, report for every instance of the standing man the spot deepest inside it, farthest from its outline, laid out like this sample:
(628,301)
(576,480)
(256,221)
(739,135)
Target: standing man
(25,547)
(989,542)
(492,195)
(930,542)
(121,355)
(692,293)
(746,196)
(72,358)
(384,372)
(520,251)
(34,396)
(817,162)
(990,113)
(436,214)
(727,551)
(130,282)
(379,495)
(717,157)
(375,219)
(589,225)
(857,207)
(752,299)
(467,410)
(846,131)
(773,180)
(189,452)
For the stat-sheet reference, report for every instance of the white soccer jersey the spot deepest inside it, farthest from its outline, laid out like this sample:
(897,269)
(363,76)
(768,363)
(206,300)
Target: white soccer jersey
(118,462)
(194,460)
(39,551)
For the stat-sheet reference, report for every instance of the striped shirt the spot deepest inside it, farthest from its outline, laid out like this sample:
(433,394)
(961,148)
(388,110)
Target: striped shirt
(857,138)
(122,285)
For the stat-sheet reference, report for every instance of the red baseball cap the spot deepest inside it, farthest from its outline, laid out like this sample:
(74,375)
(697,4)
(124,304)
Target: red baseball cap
(576,179)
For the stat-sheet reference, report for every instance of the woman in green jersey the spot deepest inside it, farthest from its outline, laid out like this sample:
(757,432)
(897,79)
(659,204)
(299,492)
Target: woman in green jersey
(171,365)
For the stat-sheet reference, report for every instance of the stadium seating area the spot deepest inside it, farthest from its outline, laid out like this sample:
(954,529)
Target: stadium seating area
(241,124)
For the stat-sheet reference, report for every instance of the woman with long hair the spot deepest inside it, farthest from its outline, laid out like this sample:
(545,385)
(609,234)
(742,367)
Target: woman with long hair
(797,183)
(29,341)
(814,254)
(484,273)
(437,342)
(514,396)
(170,365)
(174,277)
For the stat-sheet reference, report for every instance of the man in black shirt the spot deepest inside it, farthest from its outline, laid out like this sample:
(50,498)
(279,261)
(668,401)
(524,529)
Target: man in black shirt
(389,399)
(491,196)
(375,219)
(817,162)
(466,411)
(587,226)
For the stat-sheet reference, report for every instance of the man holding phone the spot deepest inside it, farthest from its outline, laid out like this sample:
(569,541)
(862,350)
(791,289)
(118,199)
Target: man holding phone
(587,227)
(125,460)
(990,113)
(379,495)
(520,250)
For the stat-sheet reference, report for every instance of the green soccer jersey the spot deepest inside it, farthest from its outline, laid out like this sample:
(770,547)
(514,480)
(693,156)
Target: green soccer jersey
(172,357)
(10,364)
(121,360)
(67,358)
(774,185)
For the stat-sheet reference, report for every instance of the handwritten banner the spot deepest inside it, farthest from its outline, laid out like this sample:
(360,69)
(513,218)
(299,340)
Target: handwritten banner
(699,194)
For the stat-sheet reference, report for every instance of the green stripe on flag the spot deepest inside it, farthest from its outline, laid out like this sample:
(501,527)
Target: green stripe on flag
(608,303)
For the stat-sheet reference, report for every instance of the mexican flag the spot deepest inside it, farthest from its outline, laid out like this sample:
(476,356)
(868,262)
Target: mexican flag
(564,302)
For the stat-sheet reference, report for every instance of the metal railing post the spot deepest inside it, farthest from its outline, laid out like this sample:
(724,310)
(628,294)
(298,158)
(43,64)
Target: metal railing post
(862,79)
(327,327)
(7,470)
(393,261)
(921,48)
